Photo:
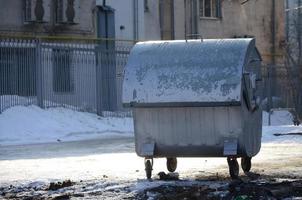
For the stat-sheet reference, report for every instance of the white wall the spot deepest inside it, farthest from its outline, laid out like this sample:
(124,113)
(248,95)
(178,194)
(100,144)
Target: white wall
(179,19)
(152,26)
(124,16)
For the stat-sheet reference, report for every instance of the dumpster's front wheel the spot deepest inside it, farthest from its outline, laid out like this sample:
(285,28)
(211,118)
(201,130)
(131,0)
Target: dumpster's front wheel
(233,167)
(148,167)
(171,164)
(246,164)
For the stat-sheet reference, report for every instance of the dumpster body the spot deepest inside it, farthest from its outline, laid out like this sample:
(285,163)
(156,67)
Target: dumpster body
(195,98)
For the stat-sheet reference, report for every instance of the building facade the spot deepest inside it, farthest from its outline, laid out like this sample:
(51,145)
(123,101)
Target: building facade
(77,18)
(48,17)
(67,66)
(261,19)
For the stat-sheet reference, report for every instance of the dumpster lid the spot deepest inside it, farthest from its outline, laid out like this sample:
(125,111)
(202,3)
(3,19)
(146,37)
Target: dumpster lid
(185,71)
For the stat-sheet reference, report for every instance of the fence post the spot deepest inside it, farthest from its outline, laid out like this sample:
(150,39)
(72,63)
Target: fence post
(39,74)
(112,82)
(98,66)
(269,93)
(1,80)
(106,77)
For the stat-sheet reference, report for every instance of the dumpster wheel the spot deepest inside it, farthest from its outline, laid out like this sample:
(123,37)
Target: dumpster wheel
(148,167)
(171,164)
(246,164)
(233,167)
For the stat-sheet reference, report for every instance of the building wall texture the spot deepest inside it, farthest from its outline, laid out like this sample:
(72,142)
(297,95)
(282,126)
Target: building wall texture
(13,13)
(152,20)
(129,18)
(251,19)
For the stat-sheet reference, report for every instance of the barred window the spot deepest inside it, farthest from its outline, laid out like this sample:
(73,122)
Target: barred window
(210,8)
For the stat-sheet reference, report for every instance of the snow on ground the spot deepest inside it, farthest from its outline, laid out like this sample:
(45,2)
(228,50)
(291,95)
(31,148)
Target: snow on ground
(269,131)
(278,118)
(8,101)
(281,123)
(101,165)
(31,124)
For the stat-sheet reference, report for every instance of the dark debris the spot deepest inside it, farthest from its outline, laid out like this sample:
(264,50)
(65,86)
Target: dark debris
(242,189)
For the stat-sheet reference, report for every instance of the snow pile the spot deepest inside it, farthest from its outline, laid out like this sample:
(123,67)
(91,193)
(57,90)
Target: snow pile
(278,118)
(12,100)
(31,124)
(282,129)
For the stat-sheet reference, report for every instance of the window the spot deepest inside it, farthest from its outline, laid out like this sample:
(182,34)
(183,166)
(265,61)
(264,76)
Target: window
(210,8)
(65,11)
(62,71)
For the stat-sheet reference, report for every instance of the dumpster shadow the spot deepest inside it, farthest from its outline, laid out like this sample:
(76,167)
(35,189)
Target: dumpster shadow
(266,187)
(251,186)
(285,134)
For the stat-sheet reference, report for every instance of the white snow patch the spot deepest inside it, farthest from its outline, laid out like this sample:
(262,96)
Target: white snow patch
(31,124)
(278,118)
(145,184)
(269,131)
(8,101)
(281,123)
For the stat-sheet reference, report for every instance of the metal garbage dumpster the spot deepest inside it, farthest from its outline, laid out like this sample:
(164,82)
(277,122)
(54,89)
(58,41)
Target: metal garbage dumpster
(195,98)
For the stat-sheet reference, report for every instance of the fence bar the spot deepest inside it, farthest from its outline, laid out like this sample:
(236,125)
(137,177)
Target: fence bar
(39,75)
(99,99)
(78,74)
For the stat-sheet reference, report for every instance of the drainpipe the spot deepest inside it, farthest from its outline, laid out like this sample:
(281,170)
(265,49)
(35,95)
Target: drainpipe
(185,7)
(195,18)
(299,33)
(299,72)
(273,36)
(135,19)
(172,21)
(191,20)
(287,21)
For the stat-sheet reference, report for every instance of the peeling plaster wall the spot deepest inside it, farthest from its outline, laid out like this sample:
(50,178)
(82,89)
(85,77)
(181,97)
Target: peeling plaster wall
(250,19)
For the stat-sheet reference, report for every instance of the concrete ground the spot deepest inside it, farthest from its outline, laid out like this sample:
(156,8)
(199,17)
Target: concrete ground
(109,169)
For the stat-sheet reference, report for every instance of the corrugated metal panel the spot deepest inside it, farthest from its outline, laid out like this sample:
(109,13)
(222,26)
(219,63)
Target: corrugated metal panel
(183,129)
(186,71)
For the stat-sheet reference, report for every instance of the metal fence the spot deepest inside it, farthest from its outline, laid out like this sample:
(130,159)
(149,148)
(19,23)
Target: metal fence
(84,75)
(282,83)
